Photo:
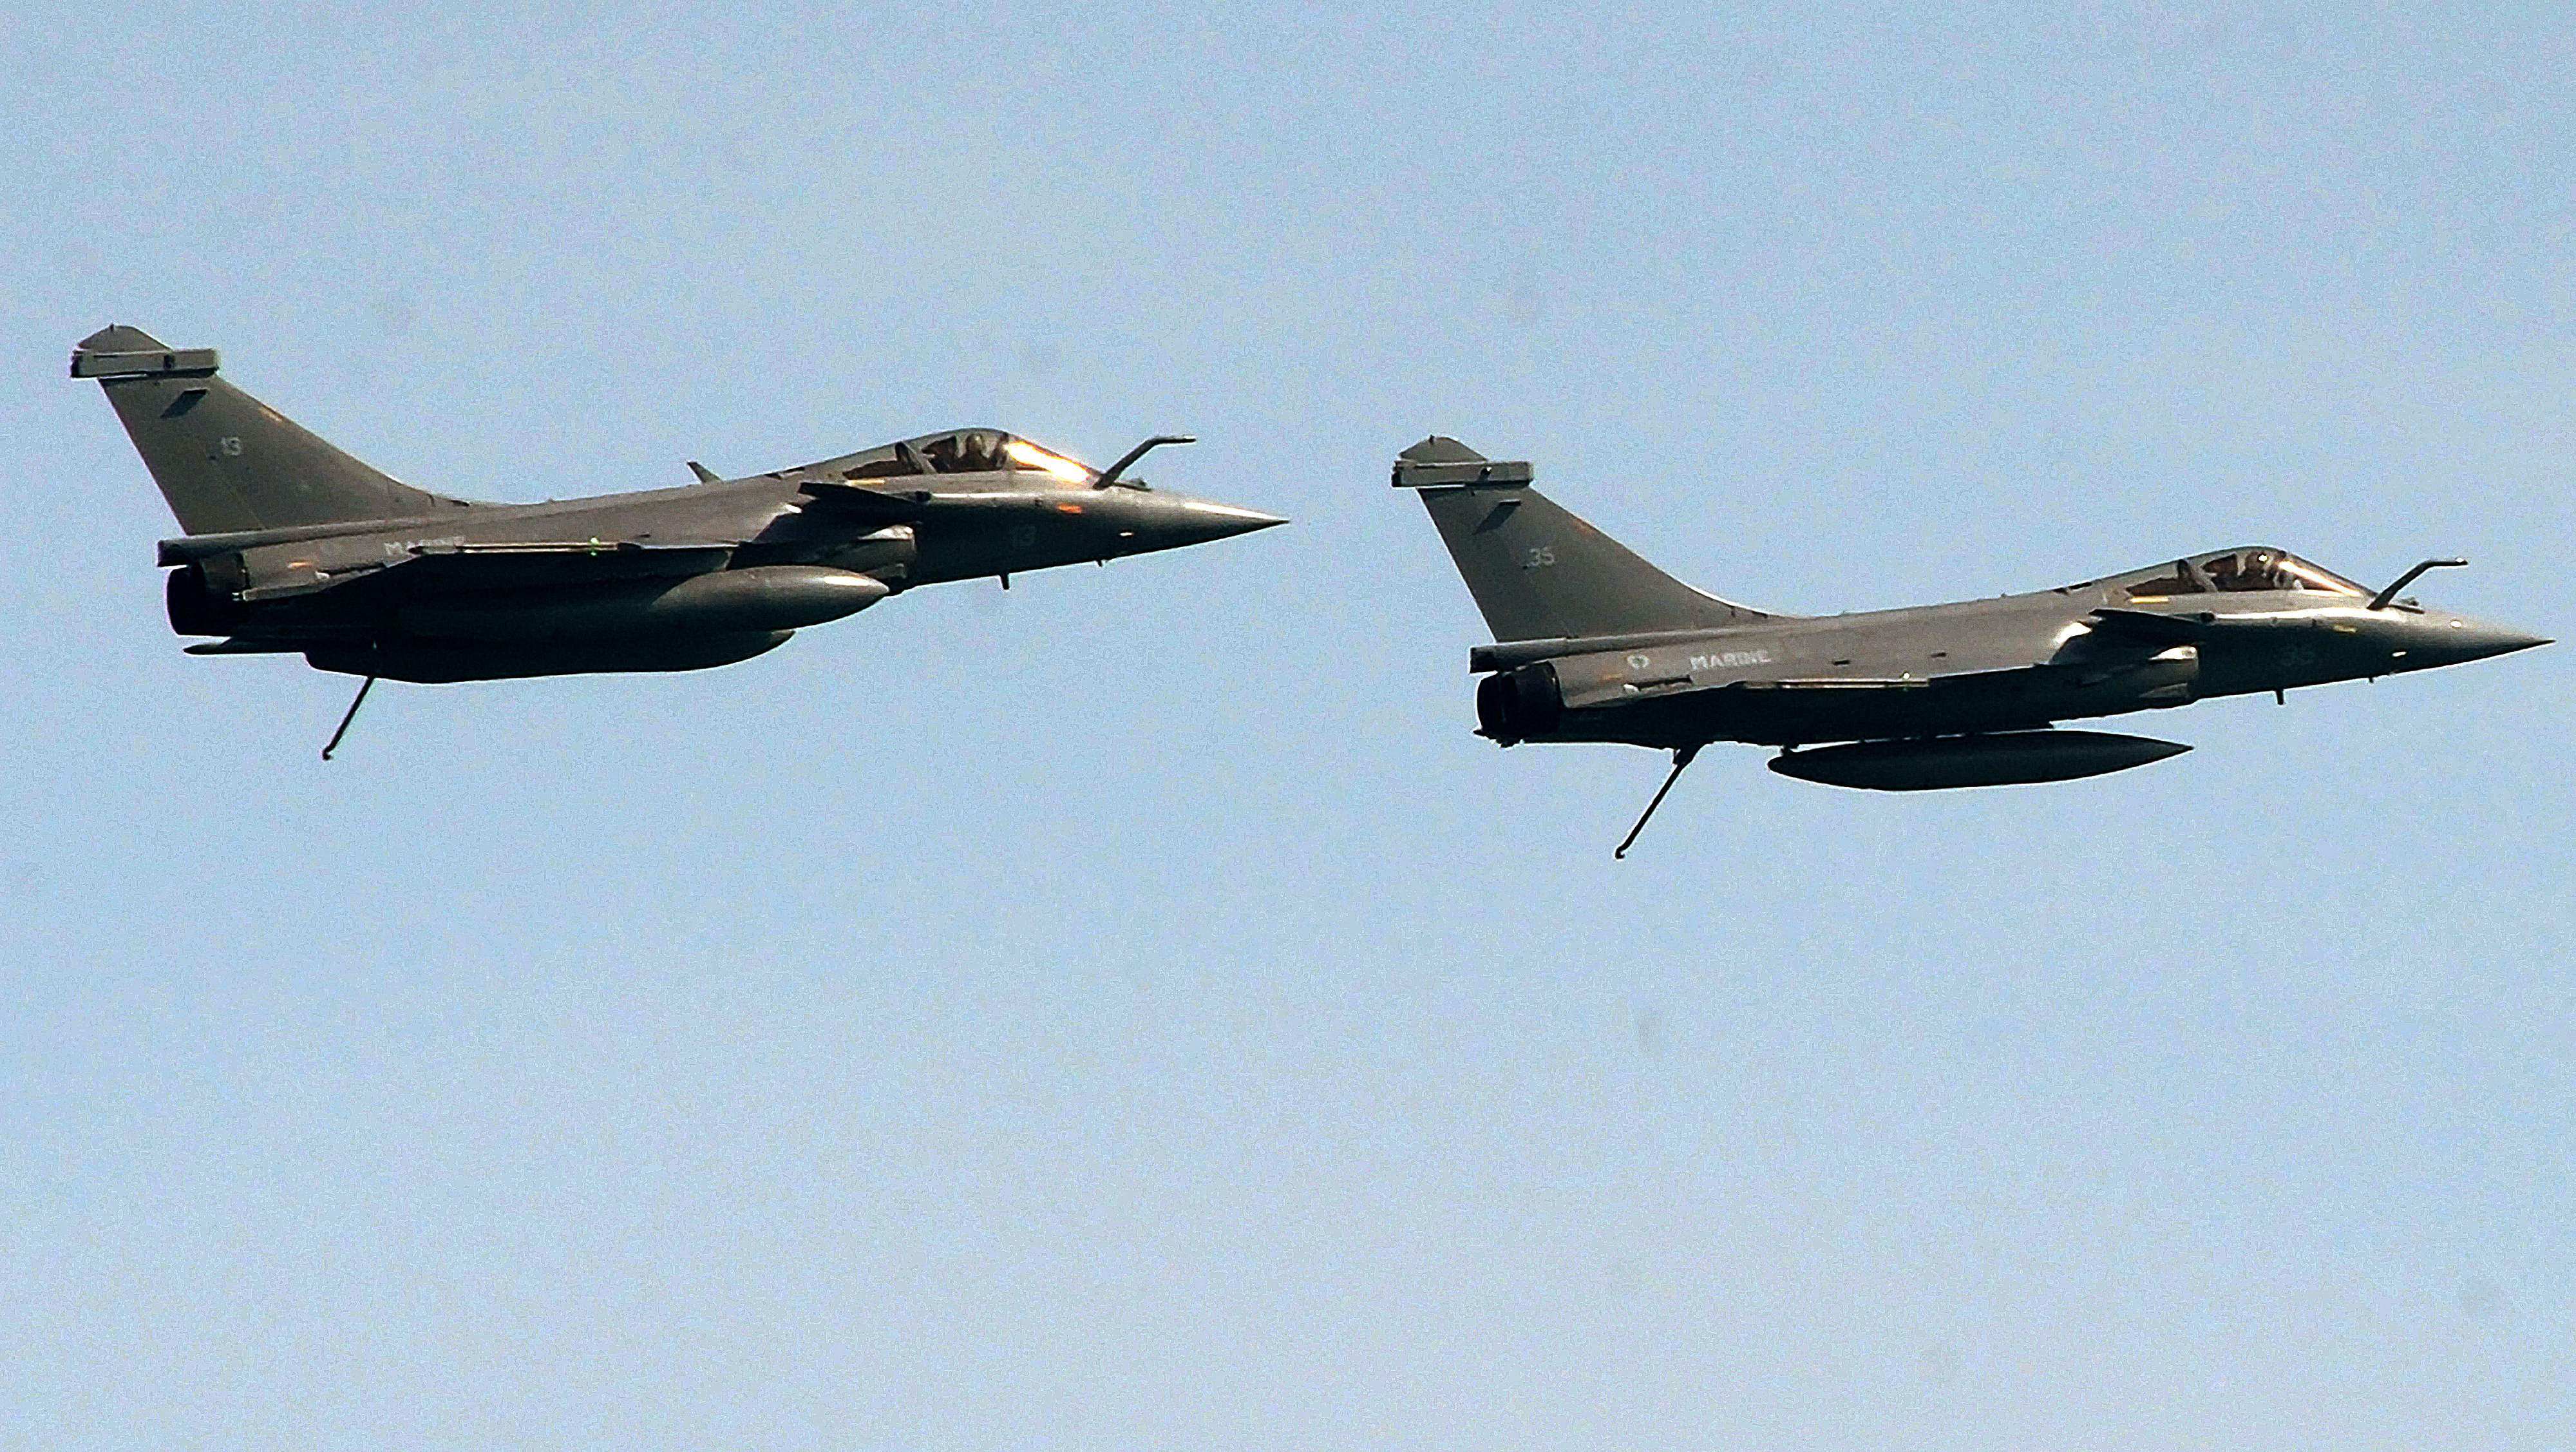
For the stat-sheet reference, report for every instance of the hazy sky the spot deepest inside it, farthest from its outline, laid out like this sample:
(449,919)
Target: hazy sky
(1133,1011)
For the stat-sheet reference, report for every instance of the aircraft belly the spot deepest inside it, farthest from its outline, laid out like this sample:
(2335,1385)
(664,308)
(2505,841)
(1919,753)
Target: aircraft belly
(1783,713)
(1788,717)
(447,662)
(684,624)
(760,599)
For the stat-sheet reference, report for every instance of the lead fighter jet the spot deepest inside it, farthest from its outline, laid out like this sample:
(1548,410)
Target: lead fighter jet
(1595,644)
(293,547)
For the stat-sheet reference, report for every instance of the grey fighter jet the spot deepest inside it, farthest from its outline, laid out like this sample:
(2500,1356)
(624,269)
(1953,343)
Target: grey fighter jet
(1595,644)
(293,547)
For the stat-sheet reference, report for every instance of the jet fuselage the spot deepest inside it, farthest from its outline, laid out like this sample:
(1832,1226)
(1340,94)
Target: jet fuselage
(2011,663)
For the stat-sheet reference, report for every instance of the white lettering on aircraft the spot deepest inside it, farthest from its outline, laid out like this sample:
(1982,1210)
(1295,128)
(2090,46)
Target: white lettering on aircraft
(1731,660)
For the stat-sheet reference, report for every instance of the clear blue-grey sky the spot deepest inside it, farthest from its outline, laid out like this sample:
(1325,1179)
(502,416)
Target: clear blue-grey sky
(1133,1011)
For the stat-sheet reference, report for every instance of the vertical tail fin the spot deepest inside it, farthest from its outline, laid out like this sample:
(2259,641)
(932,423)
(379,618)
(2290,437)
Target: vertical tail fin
(1537,570)
(223,459)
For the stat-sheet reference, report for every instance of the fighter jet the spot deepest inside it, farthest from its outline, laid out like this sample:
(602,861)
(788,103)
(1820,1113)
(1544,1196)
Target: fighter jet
(1595,644)
(293,547)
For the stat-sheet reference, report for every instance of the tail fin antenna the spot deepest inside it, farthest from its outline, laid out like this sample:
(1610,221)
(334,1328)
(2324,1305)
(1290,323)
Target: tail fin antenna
(225,460)
(1539,571)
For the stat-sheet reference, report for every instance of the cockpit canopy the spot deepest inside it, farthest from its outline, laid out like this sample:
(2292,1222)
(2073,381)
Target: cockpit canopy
(963,451)
(2258,567)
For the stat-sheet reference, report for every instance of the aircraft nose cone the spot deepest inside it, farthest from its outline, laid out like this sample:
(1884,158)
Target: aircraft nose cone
(2459,638)
(1222,521)
(1196,521)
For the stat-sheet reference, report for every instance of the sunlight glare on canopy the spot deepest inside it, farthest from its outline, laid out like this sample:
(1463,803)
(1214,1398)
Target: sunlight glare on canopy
(2317,577)
(1029,456)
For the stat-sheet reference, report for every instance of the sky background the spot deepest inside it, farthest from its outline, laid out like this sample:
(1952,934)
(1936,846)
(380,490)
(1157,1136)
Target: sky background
(1133,1011)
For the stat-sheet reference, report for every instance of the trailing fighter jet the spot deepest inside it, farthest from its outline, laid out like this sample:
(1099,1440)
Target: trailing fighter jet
(293,547)
(1595,644)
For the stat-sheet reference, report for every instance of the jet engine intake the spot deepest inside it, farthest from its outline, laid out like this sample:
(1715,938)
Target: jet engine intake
(1515,705)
